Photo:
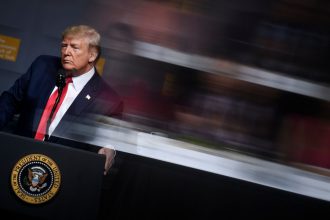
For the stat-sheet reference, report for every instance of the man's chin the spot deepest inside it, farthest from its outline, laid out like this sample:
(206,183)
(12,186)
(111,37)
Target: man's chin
(68,67)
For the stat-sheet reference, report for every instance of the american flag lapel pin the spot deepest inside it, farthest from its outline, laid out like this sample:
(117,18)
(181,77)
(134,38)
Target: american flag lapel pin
(88,97)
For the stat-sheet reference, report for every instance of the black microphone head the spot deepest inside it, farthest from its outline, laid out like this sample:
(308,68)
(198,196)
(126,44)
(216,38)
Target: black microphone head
(60,78)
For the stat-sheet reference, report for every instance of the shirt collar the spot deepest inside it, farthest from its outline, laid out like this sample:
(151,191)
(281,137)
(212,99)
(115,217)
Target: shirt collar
(80,81)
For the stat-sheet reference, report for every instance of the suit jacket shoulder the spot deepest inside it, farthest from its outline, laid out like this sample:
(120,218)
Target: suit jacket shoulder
(28,93)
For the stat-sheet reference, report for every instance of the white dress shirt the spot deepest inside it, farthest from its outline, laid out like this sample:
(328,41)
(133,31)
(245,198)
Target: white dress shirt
(78,83)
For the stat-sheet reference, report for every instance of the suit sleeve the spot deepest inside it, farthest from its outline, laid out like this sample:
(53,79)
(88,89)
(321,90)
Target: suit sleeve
(11,99)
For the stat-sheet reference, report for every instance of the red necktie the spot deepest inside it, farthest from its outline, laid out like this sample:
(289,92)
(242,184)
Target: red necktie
(50,103)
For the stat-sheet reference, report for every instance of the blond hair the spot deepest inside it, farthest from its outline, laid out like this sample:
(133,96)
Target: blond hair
(93,37)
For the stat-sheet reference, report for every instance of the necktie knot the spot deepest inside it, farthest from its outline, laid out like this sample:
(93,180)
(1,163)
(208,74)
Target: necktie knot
(68,80)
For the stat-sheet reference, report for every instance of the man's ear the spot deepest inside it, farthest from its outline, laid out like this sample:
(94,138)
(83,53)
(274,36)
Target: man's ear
(92,56)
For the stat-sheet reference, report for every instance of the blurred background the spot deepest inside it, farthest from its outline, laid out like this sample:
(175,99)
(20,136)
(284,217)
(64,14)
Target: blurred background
(247,76)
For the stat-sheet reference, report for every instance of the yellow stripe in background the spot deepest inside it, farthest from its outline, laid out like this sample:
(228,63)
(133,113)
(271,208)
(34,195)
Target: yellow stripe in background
(9,47)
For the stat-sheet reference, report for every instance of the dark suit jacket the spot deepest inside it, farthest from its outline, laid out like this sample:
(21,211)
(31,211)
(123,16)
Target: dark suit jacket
(29,94)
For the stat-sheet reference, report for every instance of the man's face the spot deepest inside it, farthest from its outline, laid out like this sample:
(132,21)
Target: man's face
(76,55)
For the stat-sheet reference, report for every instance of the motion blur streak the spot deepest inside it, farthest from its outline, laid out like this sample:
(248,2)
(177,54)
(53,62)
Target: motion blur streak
(248,76)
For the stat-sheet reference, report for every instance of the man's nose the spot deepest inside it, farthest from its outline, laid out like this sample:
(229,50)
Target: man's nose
(67,50)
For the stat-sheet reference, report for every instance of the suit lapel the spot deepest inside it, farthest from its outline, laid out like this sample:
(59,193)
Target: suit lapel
(45,93)
(85,97)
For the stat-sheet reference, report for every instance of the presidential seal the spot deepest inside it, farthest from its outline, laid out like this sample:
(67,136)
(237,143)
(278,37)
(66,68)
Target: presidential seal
(35,178)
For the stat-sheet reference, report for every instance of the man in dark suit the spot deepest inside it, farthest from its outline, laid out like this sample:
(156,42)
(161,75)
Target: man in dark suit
(86,92)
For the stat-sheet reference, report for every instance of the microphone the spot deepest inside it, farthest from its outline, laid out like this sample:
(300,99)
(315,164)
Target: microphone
(60,83)
(60,79)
